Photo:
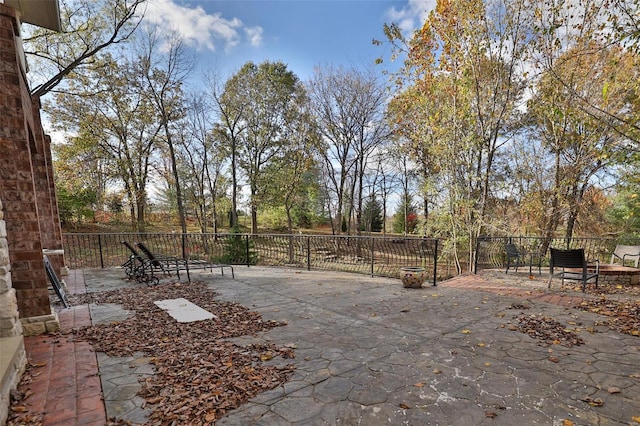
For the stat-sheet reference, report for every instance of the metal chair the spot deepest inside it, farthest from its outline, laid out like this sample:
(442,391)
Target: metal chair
(512,253)
(170,264)
(575,261)
(626,253)
(138,268)
(521,258)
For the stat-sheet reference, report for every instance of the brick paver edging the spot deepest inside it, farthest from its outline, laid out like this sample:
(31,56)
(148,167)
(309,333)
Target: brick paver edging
(66,388)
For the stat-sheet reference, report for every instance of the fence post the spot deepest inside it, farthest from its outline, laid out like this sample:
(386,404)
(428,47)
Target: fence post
(100,250)
(308,253)
(435,263)
(475,258)
(373,246)
(247,249)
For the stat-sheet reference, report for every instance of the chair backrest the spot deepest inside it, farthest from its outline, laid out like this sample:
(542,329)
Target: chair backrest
(627,253)
(149,254)
(512,250)
(573,258)
(133,251)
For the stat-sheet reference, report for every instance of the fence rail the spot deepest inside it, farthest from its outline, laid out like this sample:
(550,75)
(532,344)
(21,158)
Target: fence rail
(381,256)
(491,254)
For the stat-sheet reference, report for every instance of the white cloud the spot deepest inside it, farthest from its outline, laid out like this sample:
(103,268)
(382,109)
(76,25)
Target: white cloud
(196,27)
(254,34)
(412,15)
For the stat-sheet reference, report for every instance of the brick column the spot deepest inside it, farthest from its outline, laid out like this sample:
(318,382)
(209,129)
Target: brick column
(19,154)
(49,219)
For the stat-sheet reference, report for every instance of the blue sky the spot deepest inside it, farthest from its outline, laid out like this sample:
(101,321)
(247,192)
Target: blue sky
(301,33)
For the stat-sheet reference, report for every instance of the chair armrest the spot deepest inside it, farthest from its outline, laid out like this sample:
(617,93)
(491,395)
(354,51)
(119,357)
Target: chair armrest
(624,257)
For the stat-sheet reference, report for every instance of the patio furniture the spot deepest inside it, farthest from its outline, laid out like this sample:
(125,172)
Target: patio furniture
(138,268)
(170,264)
(57,285)
(626,253)
(573,265)
(522,258)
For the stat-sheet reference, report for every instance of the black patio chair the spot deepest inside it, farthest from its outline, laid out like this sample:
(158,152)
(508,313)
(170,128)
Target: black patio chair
(138,268)
(573,265)
(512,253)
(521,258)
(162,263)
(170,264)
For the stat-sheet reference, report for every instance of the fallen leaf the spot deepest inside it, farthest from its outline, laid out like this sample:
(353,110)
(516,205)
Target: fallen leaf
(490,414)
(466,331)
(554,359)
(597,402)
(420,384)
(614,389)
(404,406)
(266,356)
(567,422)
(436,371)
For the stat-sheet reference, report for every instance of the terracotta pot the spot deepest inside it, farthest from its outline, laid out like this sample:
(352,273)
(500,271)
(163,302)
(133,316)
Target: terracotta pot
(413,277)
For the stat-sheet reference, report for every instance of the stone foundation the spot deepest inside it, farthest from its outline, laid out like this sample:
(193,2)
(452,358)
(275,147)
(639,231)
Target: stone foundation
(34,326)
(13,358)
(612,274)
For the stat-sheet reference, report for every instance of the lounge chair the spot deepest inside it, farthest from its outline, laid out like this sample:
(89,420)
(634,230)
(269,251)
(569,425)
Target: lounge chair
(170,264)
(573,265)
(626,253)
(138,268)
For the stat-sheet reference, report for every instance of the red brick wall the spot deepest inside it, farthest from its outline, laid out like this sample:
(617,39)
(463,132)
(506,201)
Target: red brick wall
(26,184)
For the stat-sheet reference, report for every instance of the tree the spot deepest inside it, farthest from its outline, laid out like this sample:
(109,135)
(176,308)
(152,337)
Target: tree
(406,218)
(579,32)
(89,27)
(267,98)
(229,109)
(348,105)
(162,73)
(107,111)
(581,145)
(372,216)
(460,90)
(289,172)
(203,159)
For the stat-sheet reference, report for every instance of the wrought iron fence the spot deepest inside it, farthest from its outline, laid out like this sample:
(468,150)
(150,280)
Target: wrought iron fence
(381,256)
(491,254)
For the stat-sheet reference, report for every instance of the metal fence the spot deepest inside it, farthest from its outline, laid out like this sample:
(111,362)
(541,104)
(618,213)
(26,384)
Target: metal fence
(381,256)
(491,254)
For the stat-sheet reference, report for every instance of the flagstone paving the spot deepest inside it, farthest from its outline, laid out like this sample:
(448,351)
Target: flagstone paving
(368,351)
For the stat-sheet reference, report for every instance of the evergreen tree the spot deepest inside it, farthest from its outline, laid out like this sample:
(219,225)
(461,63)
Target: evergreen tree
(372,216)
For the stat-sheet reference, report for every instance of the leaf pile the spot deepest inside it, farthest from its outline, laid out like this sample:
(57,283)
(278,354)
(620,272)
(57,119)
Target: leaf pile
(547,330)
(630,291)
(20,412)
(623,317)
(199,376)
